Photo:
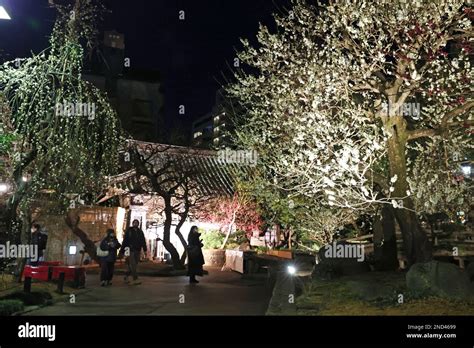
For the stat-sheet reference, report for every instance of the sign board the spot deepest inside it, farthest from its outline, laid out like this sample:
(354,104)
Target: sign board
(234,259)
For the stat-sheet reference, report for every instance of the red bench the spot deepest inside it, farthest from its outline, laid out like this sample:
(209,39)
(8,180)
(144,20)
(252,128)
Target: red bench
(37,272)
(73,274)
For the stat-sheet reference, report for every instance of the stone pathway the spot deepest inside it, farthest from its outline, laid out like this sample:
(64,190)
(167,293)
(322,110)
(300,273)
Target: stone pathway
(219,293)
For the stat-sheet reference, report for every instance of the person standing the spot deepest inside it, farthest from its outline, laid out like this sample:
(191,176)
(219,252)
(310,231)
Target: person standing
(133,243)
(109,244)
(39,240)
(195,256)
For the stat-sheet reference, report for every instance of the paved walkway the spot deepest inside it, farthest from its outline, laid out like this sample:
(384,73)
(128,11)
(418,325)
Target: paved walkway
(219,293)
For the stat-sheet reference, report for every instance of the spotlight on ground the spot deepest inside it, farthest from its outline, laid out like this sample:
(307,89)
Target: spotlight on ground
(291,270)
(3,188)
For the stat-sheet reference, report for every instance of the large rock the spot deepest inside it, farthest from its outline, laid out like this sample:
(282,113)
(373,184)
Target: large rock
(439,279)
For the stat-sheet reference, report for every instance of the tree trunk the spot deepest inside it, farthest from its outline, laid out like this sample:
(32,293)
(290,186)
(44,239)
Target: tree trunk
(177,231)
(385,241)
(167,233)
(229,230)
(25,239)
(72,220)
(415,241)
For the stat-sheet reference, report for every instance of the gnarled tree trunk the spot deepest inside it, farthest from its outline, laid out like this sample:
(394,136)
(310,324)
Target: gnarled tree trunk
(177,264)
(415,241)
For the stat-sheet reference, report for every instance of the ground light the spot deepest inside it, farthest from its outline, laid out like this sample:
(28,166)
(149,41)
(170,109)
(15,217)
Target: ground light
(3,188)
(291,270)
(466,169)
(4,14)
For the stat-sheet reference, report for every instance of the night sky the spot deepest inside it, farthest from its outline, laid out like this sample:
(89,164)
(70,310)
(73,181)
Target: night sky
(190,55)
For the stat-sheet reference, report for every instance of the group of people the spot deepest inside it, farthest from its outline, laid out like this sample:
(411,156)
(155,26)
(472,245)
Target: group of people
(132,246)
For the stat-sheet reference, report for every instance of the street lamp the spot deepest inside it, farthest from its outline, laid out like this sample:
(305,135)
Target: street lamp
(4,14)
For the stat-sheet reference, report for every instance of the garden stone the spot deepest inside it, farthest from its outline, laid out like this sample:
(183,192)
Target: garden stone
(439,279)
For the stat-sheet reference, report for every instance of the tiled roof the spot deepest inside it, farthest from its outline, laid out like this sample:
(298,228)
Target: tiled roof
(210,174)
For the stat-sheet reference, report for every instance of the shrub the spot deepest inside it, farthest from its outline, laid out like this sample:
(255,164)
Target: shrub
(212,239)
(8,307)
(30,299)
(236,239)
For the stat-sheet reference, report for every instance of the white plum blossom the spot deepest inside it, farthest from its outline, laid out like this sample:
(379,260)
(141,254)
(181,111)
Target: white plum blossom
(324,102)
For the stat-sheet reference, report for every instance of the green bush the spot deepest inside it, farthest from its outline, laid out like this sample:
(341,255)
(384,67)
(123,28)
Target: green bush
(236,239)
(8,307)
(261,249)
(30,299)
(212,239)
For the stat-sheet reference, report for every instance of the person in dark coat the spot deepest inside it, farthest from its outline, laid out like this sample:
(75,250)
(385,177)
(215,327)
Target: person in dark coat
(133,243)
(40,240)
(107,263)
(195,256)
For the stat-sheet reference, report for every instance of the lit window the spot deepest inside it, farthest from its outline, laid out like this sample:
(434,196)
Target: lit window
(72,250)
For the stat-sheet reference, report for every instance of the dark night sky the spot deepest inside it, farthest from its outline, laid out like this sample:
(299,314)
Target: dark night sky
(190,55)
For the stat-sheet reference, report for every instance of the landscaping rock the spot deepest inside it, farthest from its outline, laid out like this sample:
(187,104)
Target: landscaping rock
(439,279)
(283,296)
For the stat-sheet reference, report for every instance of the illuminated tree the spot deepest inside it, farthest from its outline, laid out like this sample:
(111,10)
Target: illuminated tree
(169,173)
(56,153)
(347,101)
(237,212)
